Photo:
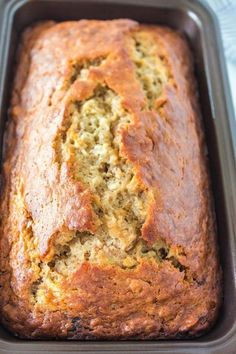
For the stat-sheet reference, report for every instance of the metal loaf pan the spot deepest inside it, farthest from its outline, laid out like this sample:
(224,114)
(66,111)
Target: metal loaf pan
(199,25)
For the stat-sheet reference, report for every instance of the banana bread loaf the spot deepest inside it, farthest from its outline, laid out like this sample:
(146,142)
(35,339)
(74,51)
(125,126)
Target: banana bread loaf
(107,225)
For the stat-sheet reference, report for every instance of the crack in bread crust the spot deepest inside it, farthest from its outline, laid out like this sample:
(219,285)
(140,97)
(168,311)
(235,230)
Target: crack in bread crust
(92,150)
(151,70)
(90,145)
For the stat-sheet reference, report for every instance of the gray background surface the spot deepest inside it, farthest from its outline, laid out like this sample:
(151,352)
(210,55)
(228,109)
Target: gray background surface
(225,11)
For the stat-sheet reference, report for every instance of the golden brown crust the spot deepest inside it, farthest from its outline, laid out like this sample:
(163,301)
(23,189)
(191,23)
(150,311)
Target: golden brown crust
(170,291)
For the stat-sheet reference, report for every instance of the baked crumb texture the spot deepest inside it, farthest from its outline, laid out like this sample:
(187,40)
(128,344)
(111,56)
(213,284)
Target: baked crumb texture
(107,227)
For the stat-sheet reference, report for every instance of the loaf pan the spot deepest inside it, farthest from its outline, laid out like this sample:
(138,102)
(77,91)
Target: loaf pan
(197,22)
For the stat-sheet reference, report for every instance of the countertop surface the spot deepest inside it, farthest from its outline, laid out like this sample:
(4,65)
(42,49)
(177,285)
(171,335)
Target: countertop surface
(225,11)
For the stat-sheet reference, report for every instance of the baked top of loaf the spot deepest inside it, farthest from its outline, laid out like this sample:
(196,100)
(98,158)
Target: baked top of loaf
(107,224)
